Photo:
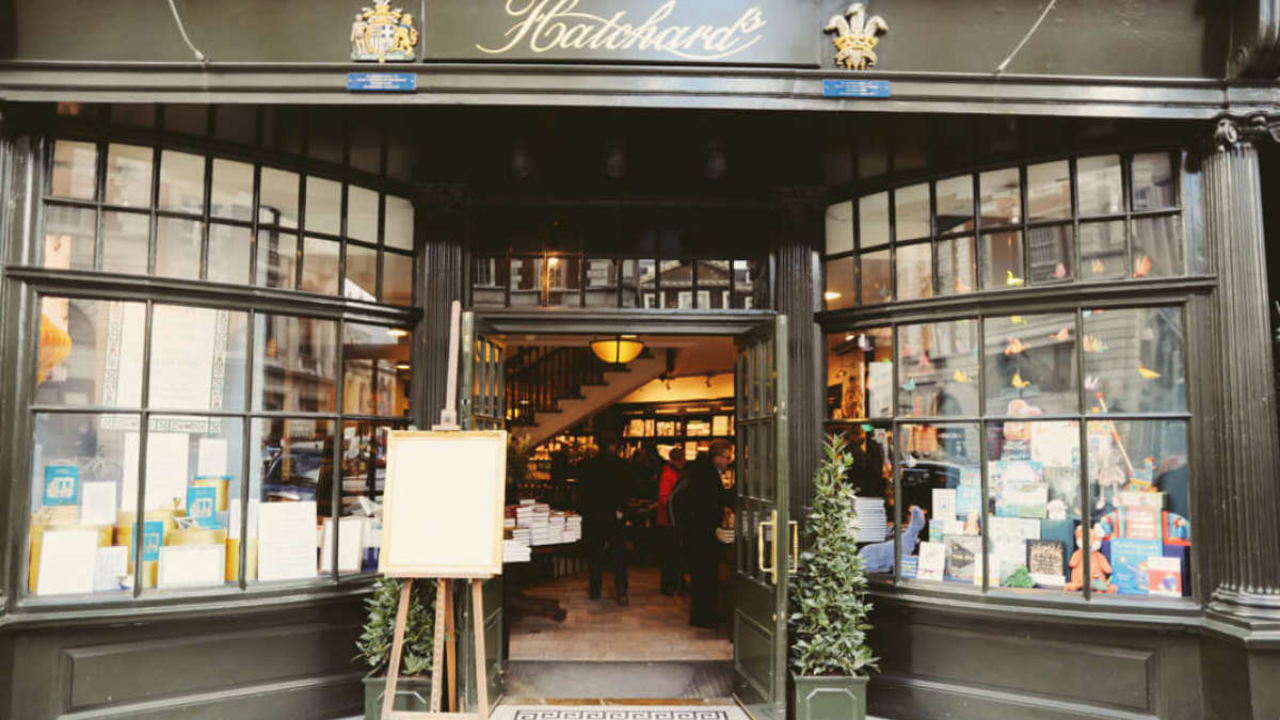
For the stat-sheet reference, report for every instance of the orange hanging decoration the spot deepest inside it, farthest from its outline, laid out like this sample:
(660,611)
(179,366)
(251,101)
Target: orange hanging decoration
(55,347)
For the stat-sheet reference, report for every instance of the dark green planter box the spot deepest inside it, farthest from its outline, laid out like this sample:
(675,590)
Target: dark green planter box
(835,697)
(412,694)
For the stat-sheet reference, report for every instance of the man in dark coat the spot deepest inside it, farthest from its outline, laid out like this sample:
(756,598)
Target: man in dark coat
(602,496)
(708,499)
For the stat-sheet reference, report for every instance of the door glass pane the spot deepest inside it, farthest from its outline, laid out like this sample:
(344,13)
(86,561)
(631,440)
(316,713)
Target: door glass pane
(278,201)
(915,271)
(79,514)
(362,214)
(489,281)
(75,169)
(1033,476)
(295,363)
(1101,191)
(178,247)
(938,369)
(526,282)
(911,212)
(129,175)
(839,292)
(1140,503)
(1153,182)
(839,224)
(197,358)
(1049,191)
(232,193)
(955,204)
(1001,198)
(1031,365)
(873,220)
(125,241)
(876,278)
(1134,360)
(290,495)
(956,266)
(941,482)
(1052,256)
(397,278)
(320,266)
(324,205)
(193,467)
(602,283)
(1102,251)
(90,352)
(1002,261)
(277,259)
(229,254)
(375,378)
(1157,246)
(362,273)
(399,231)
(860,374)
(181,182)
(564,282)
(69,236)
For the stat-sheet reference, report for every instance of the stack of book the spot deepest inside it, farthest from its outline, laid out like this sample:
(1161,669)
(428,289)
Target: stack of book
(872,523)
(514,551)
(572,527)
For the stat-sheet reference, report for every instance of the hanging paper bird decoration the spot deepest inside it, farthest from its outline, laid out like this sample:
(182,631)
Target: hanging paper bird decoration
(960,377)
(1015,347)
(1141,266)
(1091,382)
(924,359)
(1147,373)
(1060,271)
(1018,320)
(961,287)
(1010,280)
(1093,345)
(909,385)
(1097,267)
(1062,335)
(1018,382)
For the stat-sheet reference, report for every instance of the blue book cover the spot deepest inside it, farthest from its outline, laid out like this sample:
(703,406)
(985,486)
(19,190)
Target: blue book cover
(61,485)
(1128,564)
(152,539)
(968,500)
(910,567)
(202,506)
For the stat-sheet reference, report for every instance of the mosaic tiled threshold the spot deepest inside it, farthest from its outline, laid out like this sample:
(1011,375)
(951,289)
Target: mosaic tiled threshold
(619,712)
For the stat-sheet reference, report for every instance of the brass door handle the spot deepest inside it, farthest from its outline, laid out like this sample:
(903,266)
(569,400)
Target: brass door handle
(793,562)
(772,569)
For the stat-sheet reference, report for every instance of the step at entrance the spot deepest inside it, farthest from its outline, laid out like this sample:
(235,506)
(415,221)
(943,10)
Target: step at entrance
(596,680)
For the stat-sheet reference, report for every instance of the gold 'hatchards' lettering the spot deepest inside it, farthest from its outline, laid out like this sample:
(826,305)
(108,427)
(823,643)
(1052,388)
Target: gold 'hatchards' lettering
(550,25)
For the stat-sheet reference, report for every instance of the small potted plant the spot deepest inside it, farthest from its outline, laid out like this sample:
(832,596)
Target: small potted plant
(413,688)
(829,652)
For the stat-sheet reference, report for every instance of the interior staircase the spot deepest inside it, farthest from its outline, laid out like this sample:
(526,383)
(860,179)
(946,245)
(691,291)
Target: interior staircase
(551,389)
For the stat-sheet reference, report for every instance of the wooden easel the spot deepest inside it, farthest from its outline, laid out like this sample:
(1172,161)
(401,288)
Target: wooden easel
(444,647)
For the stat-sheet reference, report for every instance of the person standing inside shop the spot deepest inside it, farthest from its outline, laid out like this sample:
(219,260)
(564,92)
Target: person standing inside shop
(602,496)
(708,501)
(668,542)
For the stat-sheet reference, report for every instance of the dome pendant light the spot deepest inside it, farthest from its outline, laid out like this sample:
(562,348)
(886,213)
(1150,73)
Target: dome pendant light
(617,350)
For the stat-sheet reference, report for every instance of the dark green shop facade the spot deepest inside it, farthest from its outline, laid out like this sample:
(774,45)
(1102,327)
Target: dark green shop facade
(1036,294)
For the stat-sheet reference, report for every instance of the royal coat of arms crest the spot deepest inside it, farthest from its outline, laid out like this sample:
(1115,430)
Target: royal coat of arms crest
(381,34)
(856,37)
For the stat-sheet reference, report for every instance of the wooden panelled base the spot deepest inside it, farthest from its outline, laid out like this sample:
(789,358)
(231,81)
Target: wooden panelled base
(445,646)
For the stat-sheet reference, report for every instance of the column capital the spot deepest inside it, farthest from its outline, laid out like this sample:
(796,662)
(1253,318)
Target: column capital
(1256,127)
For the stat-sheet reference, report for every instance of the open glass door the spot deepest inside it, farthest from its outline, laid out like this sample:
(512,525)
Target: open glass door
(481,406)
(761,517)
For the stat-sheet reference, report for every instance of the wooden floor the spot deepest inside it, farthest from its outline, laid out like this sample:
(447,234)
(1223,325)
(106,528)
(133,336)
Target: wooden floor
(652,627)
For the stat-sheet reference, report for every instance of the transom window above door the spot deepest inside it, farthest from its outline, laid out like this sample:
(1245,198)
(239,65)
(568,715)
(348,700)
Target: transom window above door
(611,259)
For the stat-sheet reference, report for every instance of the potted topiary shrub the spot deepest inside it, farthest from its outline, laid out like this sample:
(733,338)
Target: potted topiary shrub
(829,653)
(413,689)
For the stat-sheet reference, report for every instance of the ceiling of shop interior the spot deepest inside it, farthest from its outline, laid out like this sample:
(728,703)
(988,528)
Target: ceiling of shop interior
(694,355)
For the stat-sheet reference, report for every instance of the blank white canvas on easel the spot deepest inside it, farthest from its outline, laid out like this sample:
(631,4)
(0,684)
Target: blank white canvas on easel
(443,503)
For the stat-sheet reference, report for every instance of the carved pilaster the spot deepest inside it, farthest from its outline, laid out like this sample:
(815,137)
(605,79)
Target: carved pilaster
(1246,480)
(798,215)
(440,216)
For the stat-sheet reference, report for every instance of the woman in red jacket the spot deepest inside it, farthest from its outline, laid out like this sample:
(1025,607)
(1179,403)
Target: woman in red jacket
(668,542)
